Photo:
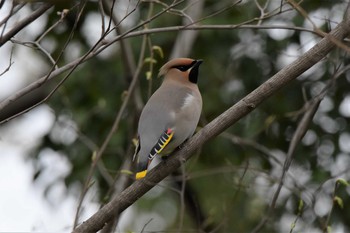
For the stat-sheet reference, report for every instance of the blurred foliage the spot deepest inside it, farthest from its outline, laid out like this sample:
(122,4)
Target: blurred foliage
(233,182)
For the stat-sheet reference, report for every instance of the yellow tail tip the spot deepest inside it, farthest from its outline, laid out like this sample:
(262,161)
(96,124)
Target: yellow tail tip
(141,175)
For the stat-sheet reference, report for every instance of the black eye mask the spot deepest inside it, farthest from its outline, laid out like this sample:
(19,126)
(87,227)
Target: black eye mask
(184,68)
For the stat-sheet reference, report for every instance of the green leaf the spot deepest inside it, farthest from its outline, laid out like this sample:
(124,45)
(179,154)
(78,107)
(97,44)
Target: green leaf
(343,182)
(269,120)
(148,75)
(94,156)
(150,60)
(293,225)
(329,229)
(127,172)
(135,142)
(339,201)
(159,50)
(301,205)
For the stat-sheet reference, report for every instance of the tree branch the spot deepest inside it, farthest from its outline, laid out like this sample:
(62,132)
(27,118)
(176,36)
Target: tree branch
(215,127)
(113,129)
(22,24)
(185,39)
(297,137)
(38,83)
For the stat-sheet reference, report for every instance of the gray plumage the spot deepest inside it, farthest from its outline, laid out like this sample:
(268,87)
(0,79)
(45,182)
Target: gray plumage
(176,105)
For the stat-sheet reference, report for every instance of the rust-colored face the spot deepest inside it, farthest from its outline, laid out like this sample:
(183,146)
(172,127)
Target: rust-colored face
(182,67)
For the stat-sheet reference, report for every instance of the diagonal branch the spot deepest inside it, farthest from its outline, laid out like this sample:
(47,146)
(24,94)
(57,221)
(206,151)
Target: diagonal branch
(73,65)
(215,127)
(297,137)
(310,110)
(22,24)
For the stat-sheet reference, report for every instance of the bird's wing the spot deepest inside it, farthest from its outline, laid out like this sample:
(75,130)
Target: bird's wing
(163,141)
(160,114)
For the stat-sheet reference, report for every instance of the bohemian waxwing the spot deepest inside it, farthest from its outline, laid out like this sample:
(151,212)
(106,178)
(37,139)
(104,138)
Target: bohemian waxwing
(172,113)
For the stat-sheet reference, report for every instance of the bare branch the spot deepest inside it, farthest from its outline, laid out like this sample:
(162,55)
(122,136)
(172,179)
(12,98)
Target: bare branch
(185,39)
(43,80)
(63,15)
(309,110)
(114,128)
(297,136)
(36,14)
(317,30)
(121,181)
(73,65)
(10,63)
(12,12)
(92,53)
(36,45)
(262,10)
(217,12)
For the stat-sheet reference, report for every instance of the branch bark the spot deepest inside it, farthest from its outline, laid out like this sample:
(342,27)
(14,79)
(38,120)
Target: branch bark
(215,127)
(22,24)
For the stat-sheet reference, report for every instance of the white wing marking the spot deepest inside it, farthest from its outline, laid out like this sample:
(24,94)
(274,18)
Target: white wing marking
(188,101)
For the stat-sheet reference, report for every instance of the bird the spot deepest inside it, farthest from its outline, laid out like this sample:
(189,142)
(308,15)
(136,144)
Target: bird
(171,114)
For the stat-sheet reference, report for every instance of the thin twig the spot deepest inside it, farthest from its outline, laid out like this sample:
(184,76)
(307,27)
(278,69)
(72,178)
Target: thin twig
(121,181)
(310,109)
(74,64)
(217,12)
(102,14)
(63,15)
(29,19)
(262,10)
(185,39)
(91,54)
(9,65)
(182,198)
(297,136)
(14,9)
(144,227)
(36,45)
(41,81)
(114,128)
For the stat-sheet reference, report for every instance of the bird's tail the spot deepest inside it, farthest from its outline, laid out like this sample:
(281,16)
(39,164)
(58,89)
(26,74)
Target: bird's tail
(141,169)
(162,142)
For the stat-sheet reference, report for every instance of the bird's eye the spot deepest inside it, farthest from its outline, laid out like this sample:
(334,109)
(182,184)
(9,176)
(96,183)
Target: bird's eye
(182,68)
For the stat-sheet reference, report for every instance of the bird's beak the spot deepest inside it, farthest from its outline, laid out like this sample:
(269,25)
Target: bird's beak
(198,62)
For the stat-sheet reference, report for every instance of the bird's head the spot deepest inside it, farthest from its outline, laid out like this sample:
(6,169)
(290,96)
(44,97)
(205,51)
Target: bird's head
(183,68)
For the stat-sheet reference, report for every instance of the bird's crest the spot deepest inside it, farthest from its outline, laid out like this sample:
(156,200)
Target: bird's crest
(174,63)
